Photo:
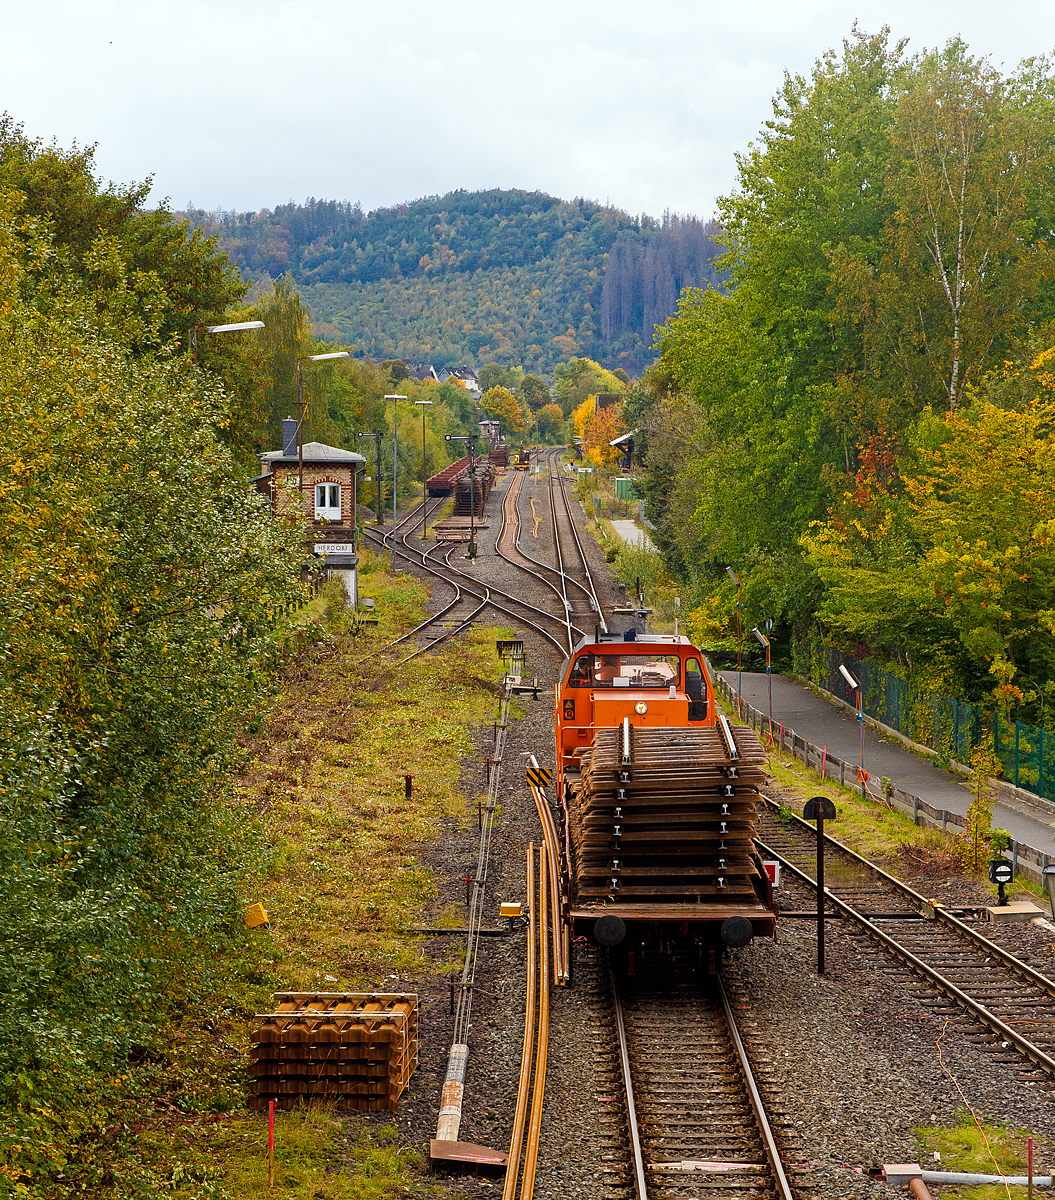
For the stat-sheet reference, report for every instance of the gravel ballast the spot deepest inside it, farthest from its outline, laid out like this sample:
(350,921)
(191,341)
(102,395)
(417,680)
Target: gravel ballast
(850,1063)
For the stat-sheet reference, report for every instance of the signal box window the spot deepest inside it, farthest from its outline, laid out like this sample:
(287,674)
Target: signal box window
(327,502)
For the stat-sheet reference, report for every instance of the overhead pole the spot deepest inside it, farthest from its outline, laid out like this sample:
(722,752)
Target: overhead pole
(395,469)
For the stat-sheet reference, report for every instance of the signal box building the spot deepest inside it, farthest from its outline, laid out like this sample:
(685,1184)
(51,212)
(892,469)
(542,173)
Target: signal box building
(327,493)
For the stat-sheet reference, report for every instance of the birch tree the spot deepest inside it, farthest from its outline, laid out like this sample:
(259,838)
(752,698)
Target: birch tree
(964,257)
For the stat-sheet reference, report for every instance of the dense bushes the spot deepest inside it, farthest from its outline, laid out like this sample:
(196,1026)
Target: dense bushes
(141,579)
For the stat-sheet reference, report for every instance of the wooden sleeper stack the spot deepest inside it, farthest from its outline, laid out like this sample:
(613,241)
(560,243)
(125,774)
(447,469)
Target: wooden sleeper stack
(357,1050)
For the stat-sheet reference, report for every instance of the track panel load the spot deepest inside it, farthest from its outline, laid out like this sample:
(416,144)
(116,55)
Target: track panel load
(672,823)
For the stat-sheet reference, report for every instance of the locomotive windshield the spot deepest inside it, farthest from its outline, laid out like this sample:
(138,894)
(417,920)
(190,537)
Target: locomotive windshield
(626,670)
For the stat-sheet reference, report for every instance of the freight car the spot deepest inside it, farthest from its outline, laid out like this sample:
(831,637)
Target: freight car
(658,799)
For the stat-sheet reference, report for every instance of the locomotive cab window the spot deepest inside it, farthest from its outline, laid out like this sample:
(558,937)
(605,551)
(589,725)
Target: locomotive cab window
(696,690)
(636,670)
(582,673)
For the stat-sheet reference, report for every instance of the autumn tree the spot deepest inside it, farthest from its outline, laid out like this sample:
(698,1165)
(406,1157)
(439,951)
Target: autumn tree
(503,406)
(604,426)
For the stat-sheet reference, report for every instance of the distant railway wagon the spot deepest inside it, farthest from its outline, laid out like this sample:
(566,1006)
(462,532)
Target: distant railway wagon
(522,459)
(658,796)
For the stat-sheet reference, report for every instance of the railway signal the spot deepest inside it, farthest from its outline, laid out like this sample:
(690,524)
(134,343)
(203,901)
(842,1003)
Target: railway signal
(1001,872)
(820,809)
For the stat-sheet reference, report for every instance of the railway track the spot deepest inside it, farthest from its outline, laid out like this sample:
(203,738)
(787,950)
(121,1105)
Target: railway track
(577,572)
(471,597)
(463,585)
(696,1121)
(960,971)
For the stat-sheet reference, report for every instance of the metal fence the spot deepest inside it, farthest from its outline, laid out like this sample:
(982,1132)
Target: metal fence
(1027,860)
(951,728)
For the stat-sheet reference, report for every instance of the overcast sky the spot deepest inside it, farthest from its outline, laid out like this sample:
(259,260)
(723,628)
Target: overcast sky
(248,105)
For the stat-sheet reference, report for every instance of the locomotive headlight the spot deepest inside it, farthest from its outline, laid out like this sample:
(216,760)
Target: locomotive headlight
(641,708)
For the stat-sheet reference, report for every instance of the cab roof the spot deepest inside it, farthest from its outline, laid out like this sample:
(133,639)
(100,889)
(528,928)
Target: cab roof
(607,643)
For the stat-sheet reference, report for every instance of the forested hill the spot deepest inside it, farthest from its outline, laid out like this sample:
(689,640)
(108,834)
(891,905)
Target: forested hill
(474,277)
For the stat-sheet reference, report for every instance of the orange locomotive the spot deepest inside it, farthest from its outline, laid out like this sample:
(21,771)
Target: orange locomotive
(658,798)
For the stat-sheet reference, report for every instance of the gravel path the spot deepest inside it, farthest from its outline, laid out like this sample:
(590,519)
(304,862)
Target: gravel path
(851,1062)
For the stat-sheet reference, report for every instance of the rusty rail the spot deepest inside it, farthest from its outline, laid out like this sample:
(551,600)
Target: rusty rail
(516,1140)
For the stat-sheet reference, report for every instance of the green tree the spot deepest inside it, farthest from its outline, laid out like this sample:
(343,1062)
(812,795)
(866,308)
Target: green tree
(143,579)
(578,378)
(534,392)
(550,422)
(970,155)
(147,276)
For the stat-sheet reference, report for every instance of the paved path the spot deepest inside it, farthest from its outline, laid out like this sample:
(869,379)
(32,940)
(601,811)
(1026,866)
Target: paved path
(631,532)
(825,724)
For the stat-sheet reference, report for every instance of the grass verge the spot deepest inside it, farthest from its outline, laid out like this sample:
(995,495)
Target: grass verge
(323,780)
(988,1148)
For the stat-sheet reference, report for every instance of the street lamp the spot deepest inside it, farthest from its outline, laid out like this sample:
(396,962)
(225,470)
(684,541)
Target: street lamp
(861,719)
(192,334)
(423,404)
(300,412)
(763,641)
(739,634)
(471,439)
(380,518)
(395,469)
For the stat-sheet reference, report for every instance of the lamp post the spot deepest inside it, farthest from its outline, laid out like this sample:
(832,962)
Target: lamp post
(739,634)
(471,439)
(861,720)
(763,641)
(192,333)
(395,469)
(300,412)
(423,404)
(380,518)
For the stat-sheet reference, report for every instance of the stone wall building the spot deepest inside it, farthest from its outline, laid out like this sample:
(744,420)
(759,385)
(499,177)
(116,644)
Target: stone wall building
(326,494)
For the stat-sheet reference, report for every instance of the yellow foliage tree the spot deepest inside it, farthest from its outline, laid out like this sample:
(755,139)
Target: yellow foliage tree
(583,415)
(500,403)
(605,425)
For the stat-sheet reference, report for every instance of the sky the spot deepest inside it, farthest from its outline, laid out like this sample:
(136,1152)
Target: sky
(245,106)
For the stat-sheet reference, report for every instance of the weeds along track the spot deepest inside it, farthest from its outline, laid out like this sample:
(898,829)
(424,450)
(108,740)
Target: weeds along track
(696,1123)
(960,971)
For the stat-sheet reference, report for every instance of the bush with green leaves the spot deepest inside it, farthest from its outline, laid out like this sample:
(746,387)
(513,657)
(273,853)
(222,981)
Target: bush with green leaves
(142,579)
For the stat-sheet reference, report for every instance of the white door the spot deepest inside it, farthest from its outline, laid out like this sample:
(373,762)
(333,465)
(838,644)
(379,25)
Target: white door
(327,502)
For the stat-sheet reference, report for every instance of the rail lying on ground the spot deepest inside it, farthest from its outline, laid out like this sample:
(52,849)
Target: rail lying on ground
(526,1132)
(1005,995)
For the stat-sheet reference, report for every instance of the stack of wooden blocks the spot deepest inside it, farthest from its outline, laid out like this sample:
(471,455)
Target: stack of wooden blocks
(357,1050)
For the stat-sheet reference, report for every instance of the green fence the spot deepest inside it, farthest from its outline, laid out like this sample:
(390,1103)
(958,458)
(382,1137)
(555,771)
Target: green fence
(946,725)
